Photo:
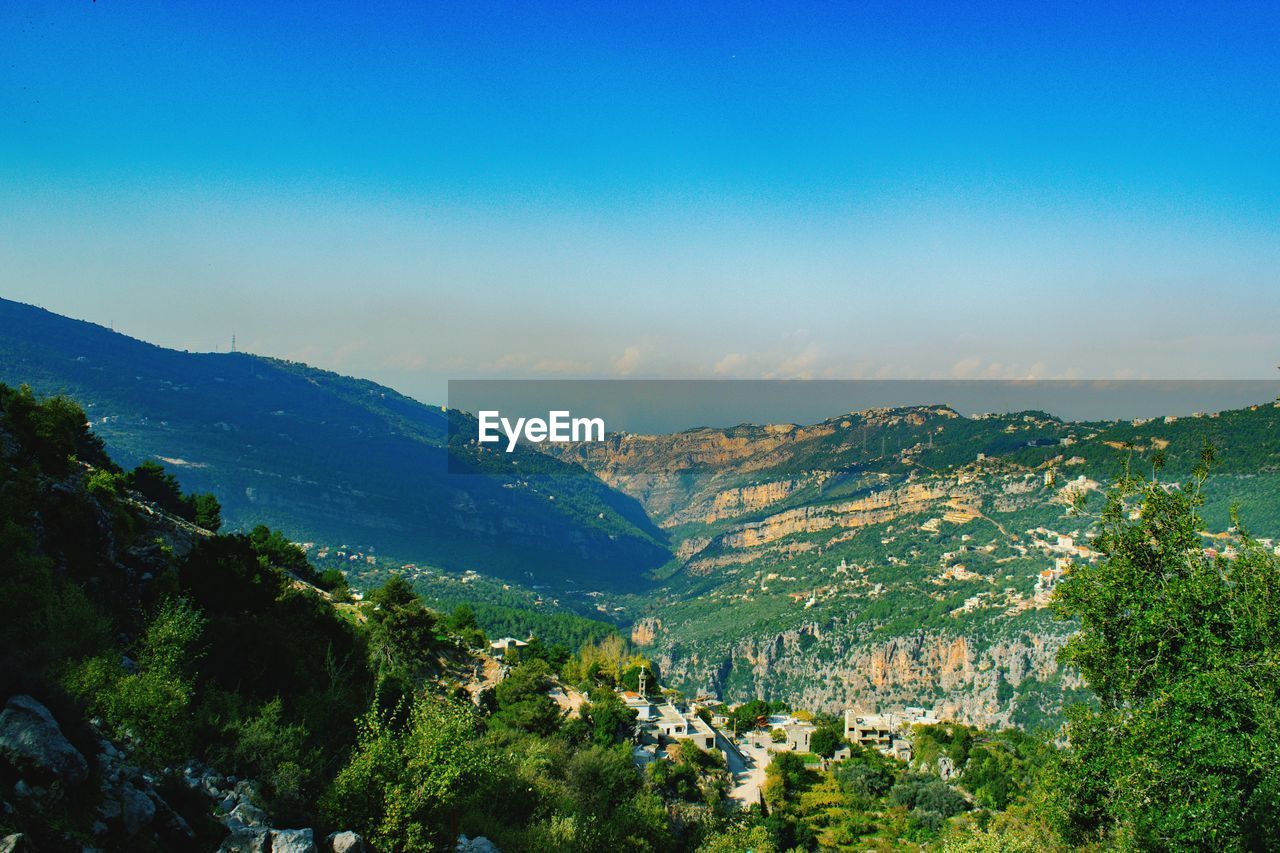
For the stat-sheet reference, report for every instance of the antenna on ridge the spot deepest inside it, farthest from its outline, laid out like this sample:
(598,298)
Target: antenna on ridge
(233,343)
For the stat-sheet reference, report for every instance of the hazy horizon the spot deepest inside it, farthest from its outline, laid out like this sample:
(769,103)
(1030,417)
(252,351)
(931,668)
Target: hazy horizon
(421,194)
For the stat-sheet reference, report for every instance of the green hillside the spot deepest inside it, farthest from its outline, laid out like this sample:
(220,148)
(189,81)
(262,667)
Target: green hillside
(328,458)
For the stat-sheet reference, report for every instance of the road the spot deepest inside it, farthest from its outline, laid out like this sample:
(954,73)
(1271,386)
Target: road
(748,771)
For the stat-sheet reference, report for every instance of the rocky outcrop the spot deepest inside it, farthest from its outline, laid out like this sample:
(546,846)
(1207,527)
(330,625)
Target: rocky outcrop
(293,841)
(345,842)
(830,669)
(33,744)
(15,843)
(706,475)
(646,630)
(129,810)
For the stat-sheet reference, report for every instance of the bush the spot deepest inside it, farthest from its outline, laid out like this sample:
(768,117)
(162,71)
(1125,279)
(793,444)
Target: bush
(404,786)
(152,706)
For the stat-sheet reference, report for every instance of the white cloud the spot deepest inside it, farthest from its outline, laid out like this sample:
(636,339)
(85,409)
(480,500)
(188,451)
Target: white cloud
(729,364)
(625,364)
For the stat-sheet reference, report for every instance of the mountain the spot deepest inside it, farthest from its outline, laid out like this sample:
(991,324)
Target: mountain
(897,557)
(331,459)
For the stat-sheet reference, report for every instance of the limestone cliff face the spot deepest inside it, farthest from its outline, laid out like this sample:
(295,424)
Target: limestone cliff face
(645,631)
(825,669)
(881,506)
(708,475)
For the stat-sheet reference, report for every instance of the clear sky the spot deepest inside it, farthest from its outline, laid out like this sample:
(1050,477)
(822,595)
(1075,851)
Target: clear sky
(420,191)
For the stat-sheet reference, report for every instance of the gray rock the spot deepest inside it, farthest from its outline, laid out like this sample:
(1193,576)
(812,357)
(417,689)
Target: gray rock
(293,841)
(245,815)
(345,842)
(479,844)
(136,809)
(247,790)
(16,843)
(171,825)
(246,840)
(109,808)
(31,741)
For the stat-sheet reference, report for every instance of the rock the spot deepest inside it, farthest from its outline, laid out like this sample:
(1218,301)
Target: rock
(16,843)
(169,824)
(246,840)
(21,789)
(245,815)
(345,842)
(32,742)
(479,844)
(136,809)
(109,808)
(946,767)
(293,841)
(247,790)
(228,803)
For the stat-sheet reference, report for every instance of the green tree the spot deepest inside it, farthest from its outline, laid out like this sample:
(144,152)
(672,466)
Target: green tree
(609,717)
(158,486)
(206,511)
(152,706)
(401,629)
(404,787)
(1183,652)
(523,702)
(274,550)
(827,737)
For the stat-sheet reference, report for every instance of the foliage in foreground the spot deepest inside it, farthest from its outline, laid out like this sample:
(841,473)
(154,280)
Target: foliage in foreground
(1182,649)
(348,718)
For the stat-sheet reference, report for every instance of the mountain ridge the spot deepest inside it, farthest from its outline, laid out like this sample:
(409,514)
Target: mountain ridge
(317,454)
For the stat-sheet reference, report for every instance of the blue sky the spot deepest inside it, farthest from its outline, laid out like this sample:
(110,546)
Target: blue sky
(415,192)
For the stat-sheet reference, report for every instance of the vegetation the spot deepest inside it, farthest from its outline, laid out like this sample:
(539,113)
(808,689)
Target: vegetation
(1182,650)
(190,643)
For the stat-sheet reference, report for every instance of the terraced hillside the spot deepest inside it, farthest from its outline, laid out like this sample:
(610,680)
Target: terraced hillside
(900,557)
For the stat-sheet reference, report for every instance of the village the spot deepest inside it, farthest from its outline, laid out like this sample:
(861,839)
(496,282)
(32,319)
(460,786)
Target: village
(664,720)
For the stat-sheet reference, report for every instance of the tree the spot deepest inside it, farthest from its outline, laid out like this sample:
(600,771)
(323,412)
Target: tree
(152,706)
(1183,653)
(276,551)
(207,511)
(827,738)
(158,486)
(610,718)
(401,629)
(404,787)
(53,430)
(523,702)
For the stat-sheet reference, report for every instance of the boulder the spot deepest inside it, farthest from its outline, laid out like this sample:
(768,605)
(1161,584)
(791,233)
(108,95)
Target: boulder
(479,844)
(16,843)
(246,815)
(345,842)
(246,840)
(170,825)
(32,742)
(293,841)
(136,809)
